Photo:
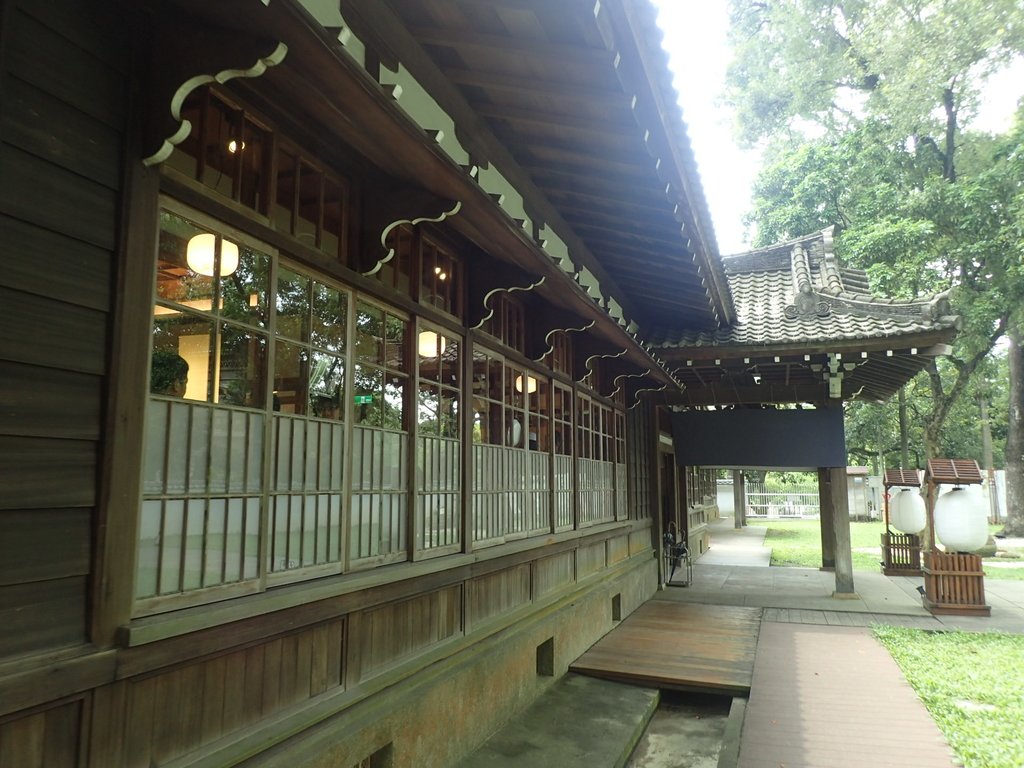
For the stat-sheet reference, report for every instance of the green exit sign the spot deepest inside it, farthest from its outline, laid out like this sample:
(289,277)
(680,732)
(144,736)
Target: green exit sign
(364,399)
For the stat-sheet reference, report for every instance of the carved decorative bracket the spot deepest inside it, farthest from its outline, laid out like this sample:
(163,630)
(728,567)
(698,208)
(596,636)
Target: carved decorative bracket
(642,390)
(620,381)
(588,364)
(188,55)
(488,310)
(392,205)
(568,329)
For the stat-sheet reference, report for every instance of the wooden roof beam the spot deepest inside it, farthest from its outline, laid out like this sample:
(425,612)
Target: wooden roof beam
(555,89)
(558,53)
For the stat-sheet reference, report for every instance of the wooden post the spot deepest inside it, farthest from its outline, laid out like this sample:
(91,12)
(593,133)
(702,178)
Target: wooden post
(841,532)
(828,550)
(739,499)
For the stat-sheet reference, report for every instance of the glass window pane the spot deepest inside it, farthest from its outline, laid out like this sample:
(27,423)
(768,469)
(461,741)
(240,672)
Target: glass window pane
(221,130)
(331,239)
(285,204)
(394,352)
(293,305)
(244,290)
(181,362)
(451,363)
(330,318)
(428,409)
(175,280)
(394,402)
(369,334)
(253,150)
(369,388)
(448,416)
(291,378)
(327,385)
(310,180)
(242,370)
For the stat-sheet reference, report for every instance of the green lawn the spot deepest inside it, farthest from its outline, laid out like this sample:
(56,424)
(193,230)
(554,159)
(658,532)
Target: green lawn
(797,544)
(972,685)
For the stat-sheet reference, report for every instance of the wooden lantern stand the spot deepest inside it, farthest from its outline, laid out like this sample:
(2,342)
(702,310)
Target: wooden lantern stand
(901,552)
(954,583)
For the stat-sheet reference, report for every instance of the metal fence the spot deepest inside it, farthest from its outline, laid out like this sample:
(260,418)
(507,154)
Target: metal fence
(793,502)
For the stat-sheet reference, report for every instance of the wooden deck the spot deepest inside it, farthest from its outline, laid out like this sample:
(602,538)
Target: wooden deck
(685,646)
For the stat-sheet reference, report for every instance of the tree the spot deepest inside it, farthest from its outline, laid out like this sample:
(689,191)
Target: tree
(889,87)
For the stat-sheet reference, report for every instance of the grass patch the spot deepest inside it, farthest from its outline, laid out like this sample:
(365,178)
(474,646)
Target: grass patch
(797,544)
(972,685)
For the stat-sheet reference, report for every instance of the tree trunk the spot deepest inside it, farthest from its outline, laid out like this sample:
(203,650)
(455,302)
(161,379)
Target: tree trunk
(904,436)
(1015,437)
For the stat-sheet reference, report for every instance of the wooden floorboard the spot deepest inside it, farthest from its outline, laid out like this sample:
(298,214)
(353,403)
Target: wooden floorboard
(686,646)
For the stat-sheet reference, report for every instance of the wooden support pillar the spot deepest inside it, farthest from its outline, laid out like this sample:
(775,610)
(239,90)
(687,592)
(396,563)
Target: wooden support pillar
(841,532)
(739,500)
(828,550)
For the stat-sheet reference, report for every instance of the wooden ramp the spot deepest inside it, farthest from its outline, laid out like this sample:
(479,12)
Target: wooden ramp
(686,646)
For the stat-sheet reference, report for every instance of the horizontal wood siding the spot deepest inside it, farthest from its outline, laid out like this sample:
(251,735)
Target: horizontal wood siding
(382,637)
(46,739)
(63,80)
(497,593)
(150,720)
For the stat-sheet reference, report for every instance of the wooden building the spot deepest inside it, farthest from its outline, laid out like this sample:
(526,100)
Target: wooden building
(331,428)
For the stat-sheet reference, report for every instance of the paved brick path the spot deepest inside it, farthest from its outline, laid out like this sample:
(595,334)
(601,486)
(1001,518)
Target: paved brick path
(832,697)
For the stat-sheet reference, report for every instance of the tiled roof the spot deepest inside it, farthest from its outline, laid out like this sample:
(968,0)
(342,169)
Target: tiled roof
(797,292)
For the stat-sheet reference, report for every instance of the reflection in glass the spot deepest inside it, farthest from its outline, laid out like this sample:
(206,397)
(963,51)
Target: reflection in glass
(293,305)
(242,372)
(369,334)
(330,310)
(244,291)
(180,365)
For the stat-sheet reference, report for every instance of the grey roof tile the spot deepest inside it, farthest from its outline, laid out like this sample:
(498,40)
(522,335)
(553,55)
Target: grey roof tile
(797,292)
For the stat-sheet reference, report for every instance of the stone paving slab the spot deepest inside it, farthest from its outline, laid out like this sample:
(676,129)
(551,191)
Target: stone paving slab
(580,722)
(832,697)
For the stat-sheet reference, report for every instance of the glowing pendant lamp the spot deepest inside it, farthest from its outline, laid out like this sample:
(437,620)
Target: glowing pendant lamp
(201,251)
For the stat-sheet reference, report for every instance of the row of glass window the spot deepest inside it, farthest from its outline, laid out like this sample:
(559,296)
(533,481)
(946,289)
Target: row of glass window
(245,438)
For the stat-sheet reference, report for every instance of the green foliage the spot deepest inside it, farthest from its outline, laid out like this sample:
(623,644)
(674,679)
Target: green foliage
(925,205)
(971,684)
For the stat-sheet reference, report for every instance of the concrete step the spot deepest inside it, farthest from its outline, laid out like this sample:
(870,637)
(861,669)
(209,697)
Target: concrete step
(581,721)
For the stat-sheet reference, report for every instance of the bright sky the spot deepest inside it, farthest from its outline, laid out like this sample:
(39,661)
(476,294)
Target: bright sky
(695,36)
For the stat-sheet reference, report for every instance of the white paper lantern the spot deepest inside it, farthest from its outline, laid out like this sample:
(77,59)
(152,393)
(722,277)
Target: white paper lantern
(200,255)
(907,511)
(961,521)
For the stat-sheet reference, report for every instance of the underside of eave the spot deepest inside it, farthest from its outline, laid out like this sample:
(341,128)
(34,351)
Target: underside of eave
(571,102)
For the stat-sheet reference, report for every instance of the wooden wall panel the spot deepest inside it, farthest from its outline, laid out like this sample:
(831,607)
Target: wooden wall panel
(551,574)
(41,53)
(40,544)
(47,739)
(590,559)
(42,614)
(50,264)
(497,593)
(43,402)
(169,714)
(640,540)
(44,473)
(384,636)
(618,549)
